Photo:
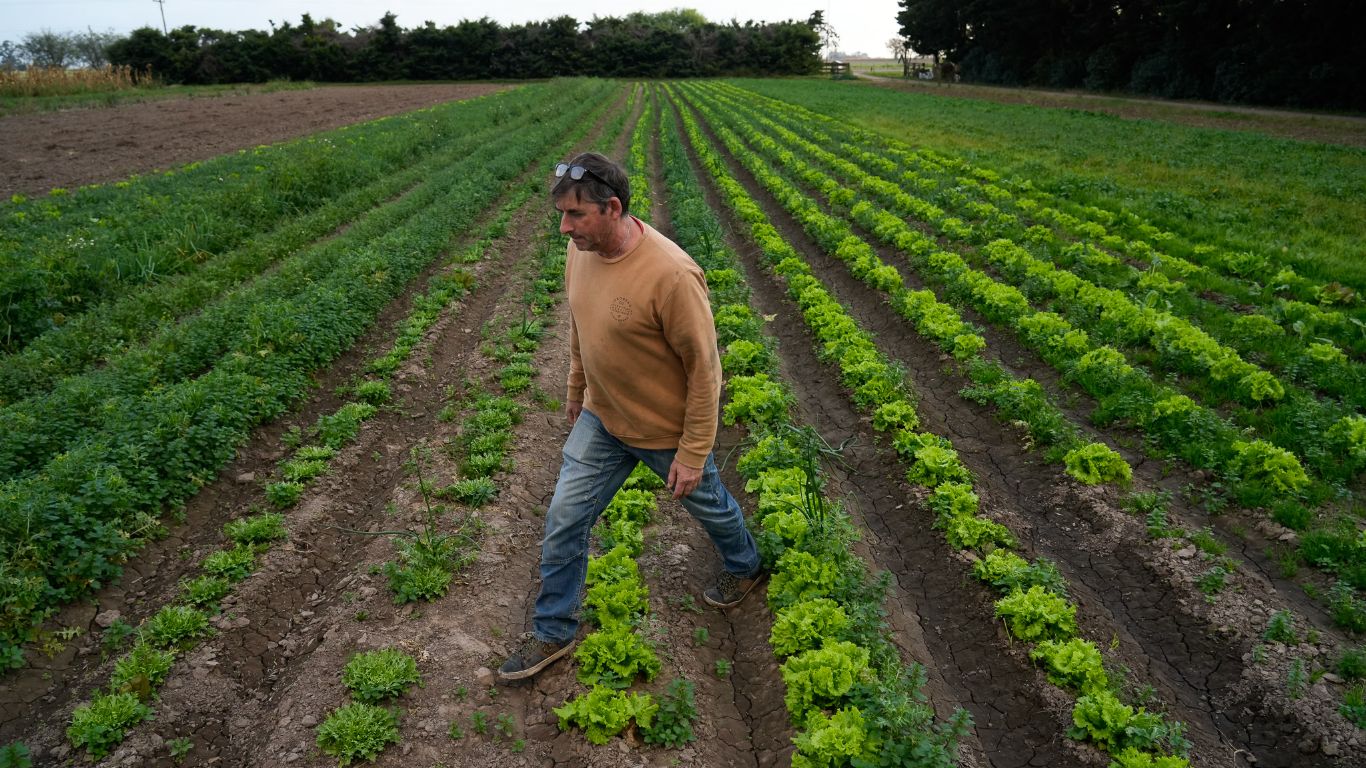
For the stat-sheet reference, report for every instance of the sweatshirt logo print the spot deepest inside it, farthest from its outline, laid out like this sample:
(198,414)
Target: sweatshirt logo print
(621,309)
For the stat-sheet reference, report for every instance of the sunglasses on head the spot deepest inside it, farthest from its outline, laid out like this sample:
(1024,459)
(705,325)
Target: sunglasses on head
(576,173)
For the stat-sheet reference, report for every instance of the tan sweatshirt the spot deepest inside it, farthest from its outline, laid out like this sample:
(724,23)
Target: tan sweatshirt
(643,354)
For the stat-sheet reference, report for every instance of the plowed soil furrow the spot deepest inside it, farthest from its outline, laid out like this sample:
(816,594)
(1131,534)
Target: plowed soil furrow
(753,692)
(1190,667)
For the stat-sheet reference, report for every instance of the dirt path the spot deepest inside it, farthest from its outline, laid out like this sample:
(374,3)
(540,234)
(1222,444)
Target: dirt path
(87,146)
(1348,130)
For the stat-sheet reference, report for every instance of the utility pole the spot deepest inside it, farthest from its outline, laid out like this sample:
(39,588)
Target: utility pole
(162,3)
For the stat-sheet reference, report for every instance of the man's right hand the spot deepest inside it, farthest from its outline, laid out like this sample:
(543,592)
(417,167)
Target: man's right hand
(572,410)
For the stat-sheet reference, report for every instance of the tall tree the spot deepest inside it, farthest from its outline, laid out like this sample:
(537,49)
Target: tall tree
(11,57)
(91,48)
(48,49)
(932,26)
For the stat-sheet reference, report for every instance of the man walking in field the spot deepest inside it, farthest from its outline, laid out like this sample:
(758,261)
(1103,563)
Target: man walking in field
(644,385)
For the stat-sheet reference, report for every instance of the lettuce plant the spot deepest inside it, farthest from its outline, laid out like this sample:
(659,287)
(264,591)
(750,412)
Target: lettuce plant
(801,576)
(615,656)
(357,731)
(1038,614)
(806,625)
(756,399)
(604,712)
(103,722)
(1074,664)
(616,602)
(830,741)
(821,677)
(1096,463)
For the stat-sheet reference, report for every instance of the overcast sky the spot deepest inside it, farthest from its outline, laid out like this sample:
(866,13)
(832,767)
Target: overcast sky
(862,25)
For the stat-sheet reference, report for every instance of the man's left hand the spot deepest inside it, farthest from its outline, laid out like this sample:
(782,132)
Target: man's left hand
(683,479)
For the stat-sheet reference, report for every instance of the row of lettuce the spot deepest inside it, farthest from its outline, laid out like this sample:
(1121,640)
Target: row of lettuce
(92,463)
(1015,400)
(1252,470)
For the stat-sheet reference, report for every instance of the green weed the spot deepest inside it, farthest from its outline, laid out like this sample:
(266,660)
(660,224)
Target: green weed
(179,748)
(672,726)
(176,627)
(230,564)
(1281,629)
(257,529)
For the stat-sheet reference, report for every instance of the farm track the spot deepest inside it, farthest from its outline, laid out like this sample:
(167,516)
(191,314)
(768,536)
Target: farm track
(1160,637)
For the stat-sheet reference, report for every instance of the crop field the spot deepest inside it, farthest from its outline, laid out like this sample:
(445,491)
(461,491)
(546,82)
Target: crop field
(1050,425)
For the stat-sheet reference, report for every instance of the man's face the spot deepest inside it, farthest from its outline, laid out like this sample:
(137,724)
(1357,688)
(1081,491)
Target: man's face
(591,228)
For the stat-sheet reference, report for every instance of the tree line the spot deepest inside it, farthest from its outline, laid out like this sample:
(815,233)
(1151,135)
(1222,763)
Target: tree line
(1284,52)
(680,43)
(48,49)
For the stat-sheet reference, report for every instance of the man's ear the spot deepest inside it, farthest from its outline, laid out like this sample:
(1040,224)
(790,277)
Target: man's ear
(614,207)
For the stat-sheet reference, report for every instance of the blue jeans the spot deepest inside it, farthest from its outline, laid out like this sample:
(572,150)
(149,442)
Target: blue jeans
(595,466)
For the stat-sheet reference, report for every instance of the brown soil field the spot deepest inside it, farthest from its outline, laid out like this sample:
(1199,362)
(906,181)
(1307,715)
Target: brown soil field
(76,147)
